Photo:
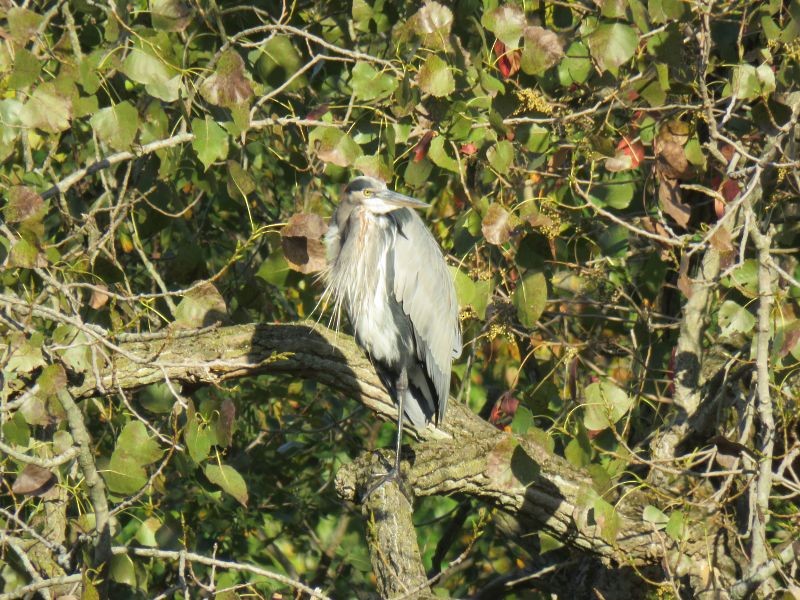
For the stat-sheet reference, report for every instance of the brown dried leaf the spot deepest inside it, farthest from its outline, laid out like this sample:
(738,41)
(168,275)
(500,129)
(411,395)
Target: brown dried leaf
(674,131)
(33,481)
(669,198)
(302,243)
(495,225)
(23,203)
(99,297)
(672,162)
(305,225)
(227,86)
(721,240)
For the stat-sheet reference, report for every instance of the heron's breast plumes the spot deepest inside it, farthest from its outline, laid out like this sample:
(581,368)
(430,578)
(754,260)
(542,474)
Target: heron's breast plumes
(359,279)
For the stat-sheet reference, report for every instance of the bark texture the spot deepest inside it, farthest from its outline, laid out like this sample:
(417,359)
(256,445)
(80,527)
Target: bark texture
(531,488)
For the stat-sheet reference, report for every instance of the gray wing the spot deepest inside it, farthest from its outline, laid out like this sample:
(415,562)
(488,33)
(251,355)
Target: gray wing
(424,288)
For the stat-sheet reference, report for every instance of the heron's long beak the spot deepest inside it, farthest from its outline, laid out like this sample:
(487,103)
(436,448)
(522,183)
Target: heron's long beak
(394,199)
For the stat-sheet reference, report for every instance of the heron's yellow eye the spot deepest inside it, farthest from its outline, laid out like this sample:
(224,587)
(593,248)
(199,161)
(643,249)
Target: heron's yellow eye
(367,193)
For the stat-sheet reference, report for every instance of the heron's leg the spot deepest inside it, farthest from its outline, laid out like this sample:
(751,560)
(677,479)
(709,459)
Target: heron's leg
(401,389)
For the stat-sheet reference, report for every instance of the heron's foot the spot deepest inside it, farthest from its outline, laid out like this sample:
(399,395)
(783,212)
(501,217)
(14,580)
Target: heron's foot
(393,475)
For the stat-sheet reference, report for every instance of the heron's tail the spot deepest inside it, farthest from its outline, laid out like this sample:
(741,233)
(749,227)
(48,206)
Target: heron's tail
(419,406)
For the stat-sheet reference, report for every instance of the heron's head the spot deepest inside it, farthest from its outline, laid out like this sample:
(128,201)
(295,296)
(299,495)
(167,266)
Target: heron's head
(373,195)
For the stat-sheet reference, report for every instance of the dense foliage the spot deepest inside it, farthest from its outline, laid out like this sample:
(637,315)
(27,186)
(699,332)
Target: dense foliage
(615,184)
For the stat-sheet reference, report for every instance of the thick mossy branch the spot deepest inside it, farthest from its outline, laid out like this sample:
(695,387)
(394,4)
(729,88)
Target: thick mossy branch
(534,489)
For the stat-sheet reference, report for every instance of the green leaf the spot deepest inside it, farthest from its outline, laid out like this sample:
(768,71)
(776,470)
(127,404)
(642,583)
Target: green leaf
(198,437)
(674,527)
(745,278)
(500,156)
(10,121)
(439,156)
(665,11)
(123,476)
(417,172)
(432,23)
(135,443)
(435,77)
(576,66)
(47,109)
(26,70)
(170,15)
(616,194)
(507,22)
(612,45)
(159,79)
(23,24)
(538,139)
(210,141)
(734,319)
(653,515)
(607,518)
(605,405)
(146,534)
(229,480)
(116,125)
(370,84)
(76,347)
(374,166)
(123,570)
(530,298)
(472,294)
(27,356)
(276,61)
(334,146)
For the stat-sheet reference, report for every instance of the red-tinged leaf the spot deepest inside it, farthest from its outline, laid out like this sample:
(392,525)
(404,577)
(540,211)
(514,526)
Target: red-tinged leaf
(421,149)
(33,481)
(316,113)
(468,149)
(508,61)
(730,189)
(629,155)
(504,410)
(633,149)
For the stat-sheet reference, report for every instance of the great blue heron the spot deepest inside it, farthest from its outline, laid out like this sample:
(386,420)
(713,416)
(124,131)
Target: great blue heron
(388,272)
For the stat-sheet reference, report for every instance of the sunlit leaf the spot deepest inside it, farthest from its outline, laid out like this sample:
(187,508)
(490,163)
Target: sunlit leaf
(439,155)
(229,480)
(605,405)
(506,22)
(530,298)
(116,125)
(210,141)
(334,146)
(370,84)
(435,77)
(612,45)
(541,51)
(47,109)
(735,319)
